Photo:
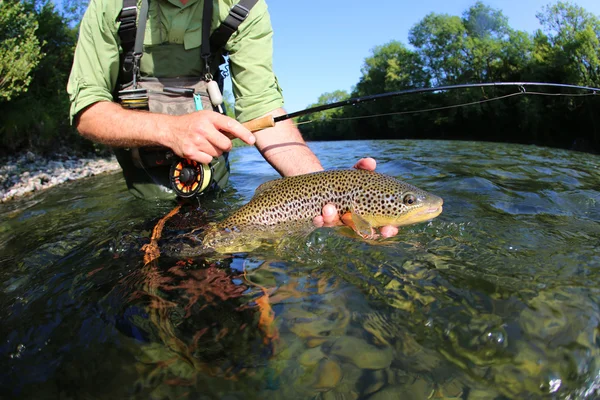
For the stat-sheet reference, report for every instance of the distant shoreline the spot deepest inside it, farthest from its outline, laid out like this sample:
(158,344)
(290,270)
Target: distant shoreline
(26,172)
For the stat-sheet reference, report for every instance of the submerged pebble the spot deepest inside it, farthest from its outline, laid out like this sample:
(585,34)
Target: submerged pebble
(311,357)
(328,375)
(359,352)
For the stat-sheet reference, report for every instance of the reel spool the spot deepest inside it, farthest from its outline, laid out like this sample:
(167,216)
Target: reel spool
(189,178)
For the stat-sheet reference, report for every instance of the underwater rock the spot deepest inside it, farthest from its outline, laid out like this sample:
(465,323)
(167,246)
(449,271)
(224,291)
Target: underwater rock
(288,347)
(418,390)
(311,357)
(317,326)
(347,388)
(452,389)
(359,352)
(315,341)
(328,374)
(334,395)
(378,380)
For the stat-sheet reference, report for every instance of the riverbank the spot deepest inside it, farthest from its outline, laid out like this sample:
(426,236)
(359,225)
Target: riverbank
(26,173)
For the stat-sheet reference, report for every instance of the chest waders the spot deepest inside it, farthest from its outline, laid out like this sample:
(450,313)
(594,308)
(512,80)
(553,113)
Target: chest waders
(156,172)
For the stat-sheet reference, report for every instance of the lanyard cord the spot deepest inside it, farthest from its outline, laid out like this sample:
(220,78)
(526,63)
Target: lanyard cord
(205,46)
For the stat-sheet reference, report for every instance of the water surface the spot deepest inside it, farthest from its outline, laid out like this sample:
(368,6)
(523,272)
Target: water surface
(498,297)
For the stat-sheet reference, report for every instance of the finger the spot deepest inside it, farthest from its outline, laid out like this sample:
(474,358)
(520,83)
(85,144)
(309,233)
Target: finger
(233,129)
(199,148)
(217,140)
(330,215)
(318,221)
(388,231)
(199,156)
(367,163)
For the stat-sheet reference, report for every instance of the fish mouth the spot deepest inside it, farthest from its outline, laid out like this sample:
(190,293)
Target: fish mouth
(433,210)
(424,214)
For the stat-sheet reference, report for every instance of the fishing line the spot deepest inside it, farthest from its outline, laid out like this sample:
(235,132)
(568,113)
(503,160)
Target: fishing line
(357,100)
(451,106)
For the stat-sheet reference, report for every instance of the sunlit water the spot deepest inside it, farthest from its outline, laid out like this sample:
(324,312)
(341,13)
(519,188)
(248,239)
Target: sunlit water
(498,297)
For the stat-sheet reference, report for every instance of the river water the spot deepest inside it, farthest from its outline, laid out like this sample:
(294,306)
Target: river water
(498,297)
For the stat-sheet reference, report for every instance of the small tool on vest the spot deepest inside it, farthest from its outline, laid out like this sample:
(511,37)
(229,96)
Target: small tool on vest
(214,93)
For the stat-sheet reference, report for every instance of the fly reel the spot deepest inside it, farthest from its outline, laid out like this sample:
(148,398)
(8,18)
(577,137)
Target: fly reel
(188,178)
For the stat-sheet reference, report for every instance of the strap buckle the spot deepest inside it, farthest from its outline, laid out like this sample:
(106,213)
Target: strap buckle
(128,12)
(239,12)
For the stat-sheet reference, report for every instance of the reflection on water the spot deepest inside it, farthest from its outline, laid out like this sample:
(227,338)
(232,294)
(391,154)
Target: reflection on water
(496,298)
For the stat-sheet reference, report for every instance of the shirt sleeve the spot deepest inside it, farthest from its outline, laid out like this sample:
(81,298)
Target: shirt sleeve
(254,83)
(96,62)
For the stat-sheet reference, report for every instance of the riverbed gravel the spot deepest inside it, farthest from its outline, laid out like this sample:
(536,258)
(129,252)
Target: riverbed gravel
(27,172)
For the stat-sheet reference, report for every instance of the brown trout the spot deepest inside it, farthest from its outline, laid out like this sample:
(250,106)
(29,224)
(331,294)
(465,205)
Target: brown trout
(365,200)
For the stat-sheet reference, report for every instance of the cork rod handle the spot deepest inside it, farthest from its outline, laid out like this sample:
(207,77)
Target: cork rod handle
(268,121)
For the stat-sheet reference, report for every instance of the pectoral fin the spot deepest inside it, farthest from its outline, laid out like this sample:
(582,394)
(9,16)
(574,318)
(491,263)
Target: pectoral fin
(359,225)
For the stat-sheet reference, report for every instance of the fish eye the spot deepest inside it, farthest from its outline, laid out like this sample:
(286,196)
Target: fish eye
(409,199)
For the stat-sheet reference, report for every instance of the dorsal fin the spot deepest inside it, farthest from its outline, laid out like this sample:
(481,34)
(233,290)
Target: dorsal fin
(266,186)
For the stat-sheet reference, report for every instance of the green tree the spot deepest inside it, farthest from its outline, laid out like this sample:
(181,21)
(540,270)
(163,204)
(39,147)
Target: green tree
(39,118)
(392,67)
(73,10)
(440,41)
(20,50)
(482,21)
(324,124)
(569,43)
(487,33)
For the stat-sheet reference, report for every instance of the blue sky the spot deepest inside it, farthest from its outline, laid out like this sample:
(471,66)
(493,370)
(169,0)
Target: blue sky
(320,46)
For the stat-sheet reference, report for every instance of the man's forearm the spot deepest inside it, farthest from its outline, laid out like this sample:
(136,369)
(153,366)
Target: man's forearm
(198,136)
(110,124)
(285,149)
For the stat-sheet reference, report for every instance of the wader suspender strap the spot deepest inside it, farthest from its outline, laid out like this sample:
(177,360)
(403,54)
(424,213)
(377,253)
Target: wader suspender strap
(127,33)
(138,49)
(205,46)
(132,38)
(237,15)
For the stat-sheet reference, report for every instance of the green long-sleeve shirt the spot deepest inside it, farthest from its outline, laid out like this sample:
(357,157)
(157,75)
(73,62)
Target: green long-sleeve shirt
(172,48)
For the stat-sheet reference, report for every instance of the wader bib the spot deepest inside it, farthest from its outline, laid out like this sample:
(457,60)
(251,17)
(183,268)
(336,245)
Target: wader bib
(148,171)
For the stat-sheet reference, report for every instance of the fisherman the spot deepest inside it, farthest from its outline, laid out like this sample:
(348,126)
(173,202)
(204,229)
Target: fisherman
(115,81)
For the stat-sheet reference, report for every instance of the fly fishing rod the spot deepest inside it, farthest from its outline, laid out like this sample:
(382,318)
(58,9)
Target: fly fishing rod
(189,177)
(270,121)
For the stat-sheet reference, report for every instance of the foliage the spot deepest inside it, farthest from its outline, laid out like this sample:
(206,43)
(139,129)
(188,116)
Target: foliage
(73,10)
(20,49)
(479,46)
(320,121)
(38,118)
(570,43)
